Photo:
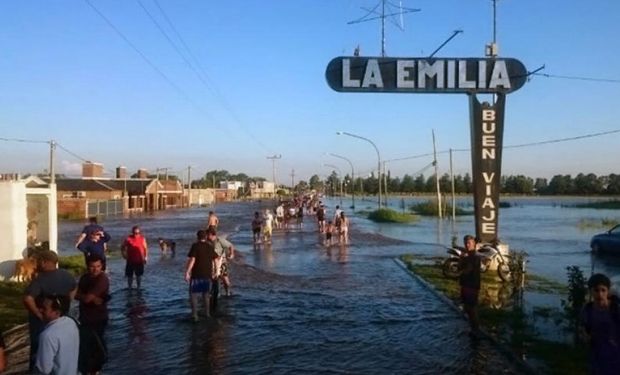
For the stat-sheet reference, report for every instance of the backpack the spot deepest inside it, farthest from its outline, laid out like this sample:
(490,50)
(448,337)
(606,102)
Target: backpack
(93,353)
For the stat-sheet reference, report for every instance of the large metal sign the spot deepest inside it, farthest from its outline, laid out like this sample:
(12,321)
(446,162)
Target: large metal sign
(487,134)
(424,75)
(471,76)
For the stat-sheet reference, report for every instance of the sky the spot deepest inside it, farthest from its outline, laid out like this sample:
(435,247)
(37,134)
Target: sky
(251,84)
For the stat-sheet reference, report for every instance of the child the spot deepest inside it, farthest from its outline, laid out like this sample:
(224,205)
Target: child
(329,230)
(256,227)
(600,326)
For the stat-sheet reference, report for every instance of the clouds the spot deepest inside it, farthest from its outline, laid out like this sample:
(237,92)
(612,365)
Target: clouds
(70,168)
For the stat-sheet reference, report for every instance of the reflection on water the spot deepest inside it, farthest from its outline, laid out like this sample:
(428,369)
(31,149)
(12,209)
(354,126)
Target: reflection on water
(136,313)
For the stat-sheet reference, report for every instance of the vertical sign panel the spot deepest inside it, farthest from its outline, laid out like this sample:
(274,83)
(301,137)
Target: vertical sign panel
(487,133)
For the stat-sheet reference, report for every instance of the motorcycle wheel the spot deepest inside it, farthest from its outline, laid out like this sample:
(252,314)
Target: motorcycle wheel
(484,265)
(503,272)
(450,268)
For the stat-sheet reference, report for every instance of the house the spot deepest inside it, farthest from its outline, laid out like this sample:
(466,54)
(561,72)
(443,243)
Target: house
(262,189)
(93,194)
(231,185)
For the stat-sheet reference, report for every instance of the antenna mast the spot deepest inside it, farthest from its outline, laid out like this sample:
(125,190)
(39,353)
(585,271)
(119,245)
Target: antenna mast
(374,14)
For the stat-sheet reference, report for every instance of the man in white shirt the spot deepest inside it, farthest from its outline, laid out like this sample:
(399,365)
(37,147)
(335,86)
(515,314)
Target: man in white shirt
(59,343)
(279,216)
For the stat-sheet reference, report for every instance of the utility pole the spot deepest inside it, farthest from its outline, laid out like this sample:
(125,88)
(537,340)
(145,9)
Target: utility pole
(189,186)
(52,169)
(437,178)
(385,191)
(273,169)
(293,179)
(453,197)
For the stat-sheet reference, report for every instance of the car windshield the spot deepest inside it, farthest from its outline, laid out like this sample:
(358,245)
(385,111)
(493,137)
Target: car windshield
(615,230)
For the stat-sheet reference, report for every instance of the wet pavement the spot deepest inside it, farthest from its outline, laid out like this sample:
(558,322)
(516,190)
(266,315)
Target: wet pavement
(298,307)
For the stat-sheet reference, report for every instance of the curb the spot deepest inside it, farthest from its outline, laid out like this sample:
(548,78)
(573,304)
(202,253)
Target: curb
(519,363)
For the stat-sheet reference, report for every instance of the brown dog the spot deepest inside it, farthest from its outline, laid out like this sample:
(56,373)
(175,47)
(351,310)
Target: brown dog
(25,269)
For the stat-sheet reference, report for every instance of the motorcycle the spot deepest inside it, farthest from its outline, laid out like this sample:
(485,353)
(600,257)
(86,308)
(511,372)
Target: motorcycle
(488,255)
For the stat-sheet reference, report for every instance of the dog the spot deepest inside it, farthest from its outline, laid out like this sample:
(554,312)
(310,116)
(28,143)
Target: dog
(25,269)
(167,245)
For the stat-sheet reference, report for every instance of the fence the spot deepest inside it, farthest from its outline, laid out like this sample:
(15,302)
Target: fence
(104,208)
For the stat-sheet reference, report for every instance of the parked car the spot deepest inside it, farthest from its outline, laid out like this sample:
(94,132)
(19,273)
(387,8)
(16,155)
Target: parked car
(607,242)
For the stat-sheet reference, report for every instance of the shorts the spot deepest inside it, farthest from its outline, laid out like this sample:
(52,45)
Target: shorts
(267,231)
(200,286)
(256,230)
(469,296)
(224,270)
(328,236)
(134,268)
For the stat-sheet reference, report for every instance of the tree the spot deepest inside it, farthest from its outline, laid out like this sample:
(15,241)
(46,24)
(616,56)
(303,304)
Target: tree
(419,184)
(445,183)
(407,185)
(613,184)
(459,184)
(469,187)
(561,185)
(301,186)
(315,183)
(541,186)
(587,184)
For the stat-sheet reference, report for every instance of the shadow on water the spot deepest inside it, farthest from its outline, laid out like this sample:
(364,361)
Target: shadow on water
(298,308)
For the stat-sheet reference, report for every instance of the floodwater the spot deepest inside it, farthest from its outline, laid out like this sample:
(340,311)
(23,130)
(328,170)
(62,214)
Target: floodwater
(297,308)
(547,228)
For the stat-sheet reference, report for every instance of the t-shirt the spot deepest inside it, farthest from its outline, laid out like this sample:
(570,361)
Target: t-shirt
(99,285)
(134,245)
(471,277)
(59,282)
(256,223)
(204,254)
(268,220)
(221,245)
(59,348)
(89,247)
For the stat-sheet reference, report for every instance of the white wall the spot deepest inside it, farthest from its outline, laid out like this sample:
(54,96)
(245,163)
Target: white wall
(13,225)
(18,205)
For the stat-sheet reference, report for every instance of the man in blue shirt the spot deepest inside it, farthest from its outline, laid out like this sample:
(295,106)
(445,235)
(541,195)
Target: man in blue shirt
(95,245)
(59,343)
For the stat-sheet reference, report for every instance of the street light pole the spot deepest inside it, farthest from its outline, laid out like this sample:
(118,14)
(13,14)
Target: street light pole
(273,168)
(340,178)
(352,177)
(378,160)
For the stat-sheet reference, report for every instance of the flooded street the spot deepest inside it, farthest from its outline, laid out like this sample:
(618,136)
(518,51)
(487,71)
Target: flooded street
(298,307)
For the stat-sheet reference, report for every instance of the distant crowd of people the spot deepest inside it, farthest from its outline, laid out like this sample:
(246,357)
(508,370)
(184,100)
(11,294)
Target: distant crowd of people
(289,215)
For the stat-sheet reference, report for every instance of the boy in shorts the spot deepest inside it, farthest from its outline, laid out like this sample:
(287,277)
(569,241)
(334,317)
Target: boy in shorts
(469,281)
(329,233)
(200,272)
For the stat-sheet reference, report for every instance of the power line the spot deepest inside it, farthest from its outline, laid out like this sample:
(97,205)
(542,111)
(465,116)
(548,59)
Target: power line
(60,146)
(564,139)
(204,77)
(20,140)
(143,56)
(608,80)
